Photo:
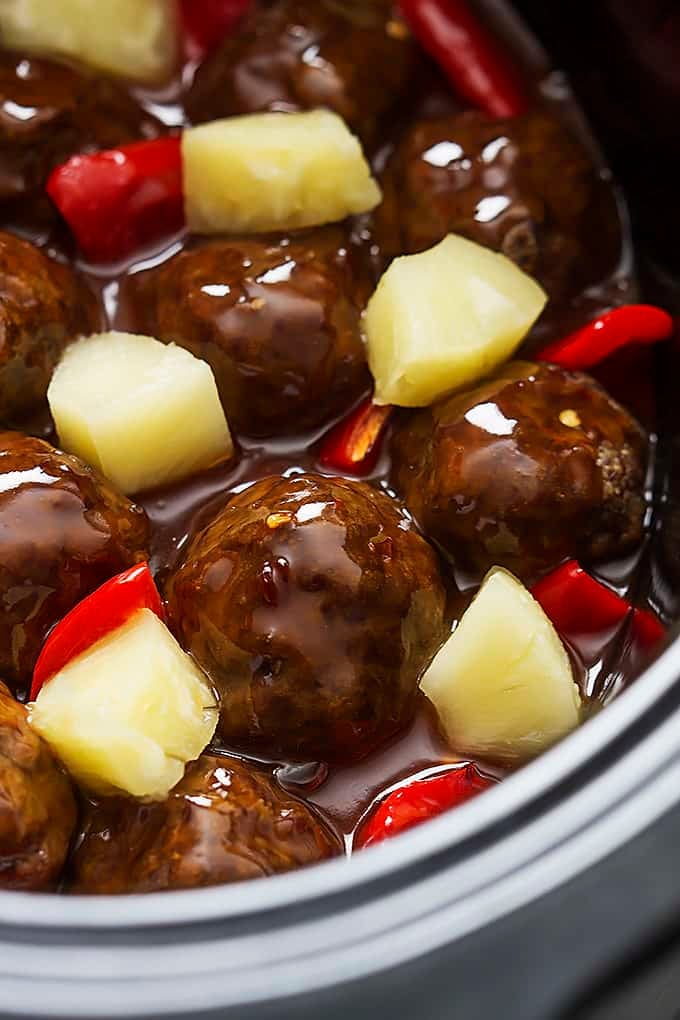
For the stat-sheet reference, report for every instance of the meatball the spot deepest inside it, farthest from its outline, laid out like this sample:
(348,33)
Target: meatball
(278,321)
(537,465)
(63,531)
(314,606)
(226,821)
(37,807)
(354,58)
(524,187)
(43,305)
(49,111)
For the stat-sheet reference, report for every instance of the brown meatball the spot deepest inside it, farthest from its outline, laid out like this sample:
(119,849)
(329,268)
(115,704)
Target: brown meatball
(278,321)
(524,187)
(314,606)
(354,58)
(534,466)
(226,821)
(64,530)
(49,111)
(43,306)
(37,807)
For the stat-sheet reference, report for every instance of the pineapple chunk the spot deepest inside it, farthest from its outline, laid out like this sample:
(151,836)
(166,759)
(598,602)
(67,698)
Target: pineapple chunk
(502,684)
(130,712)
(136,39)
(141,412)
(274,171)
(442,320)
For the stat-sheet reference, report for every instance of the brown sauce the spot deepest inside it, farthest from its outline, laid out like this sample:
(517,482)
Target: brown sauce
(343,795)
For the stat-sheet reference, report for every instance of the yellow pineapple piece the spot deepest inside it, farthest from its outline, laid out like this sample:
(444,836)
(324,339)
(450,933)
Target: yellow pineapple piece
(442,320)
(503,684)
(141,412)
(130,712)
(274,171)
(136,39)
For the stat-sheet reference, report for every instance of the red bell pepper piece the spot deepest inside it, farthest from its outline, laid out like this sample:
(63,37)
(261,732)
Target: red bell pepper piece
(630,324)
(207,22)
(577,604)
(354,444)
(648,629)
(420,799)
(119,200)
(469,55)
(106,609)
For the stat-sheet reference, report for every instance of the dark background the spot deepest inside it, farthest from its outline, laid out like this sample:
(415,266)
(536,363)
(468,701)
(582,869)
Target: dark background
(623,58)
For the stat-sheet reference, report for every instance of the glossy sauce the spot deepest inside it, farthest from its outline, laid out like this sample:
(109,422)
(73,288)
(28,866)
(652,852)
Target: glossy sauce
(341,795)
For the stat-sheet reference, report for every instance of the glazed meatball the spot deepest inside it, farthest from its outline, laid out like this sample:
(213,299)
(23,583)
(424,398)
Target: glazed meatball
(354,58)
(63,531)
(43,306)
(314,606)
(37,807)
(535,466)
(226,821)
(49,111)
(278,321)
(524,187)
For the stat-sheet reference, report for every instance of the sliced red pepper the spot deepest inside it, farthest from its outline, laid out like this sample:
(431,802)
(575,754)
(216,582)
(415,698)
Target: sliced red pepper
(420,799)
(106,609)
(577,604)
(207,22)
(118,201)
(469,55)
(630,324)
(354,444)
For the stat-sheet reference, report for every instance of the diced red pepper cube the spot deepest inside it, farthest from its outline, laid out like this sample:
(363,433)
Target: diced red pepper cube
(119,201)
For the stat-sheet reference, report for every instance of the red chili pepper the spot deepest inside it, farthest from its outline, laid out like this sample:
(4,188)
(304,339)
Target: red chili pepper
(577,604)
(630,324)
(119,200)
(420,799)
(468,54)
(106,609)
(354,444)
(207,22)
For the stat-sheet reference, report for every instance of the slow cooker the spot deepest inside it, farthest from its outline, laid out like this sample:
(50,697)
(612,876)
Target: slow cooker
(554,897)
